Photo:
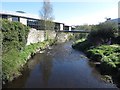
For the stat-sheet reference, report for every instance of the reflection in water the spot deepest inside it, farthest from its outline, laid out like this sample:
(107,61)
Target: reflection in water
(20,81)
(60,67)
(33,61)
(45,66)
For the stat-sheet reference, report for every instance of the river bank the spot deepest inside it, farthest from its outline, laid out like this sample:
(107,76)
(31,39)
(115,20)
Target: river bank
(19,43)
(106,59)
(59,67)
(23,57)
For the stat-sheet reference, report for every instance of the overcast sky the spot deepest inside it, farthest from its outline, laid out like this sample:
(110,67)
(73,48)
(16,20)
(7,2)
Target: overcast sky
(74,12)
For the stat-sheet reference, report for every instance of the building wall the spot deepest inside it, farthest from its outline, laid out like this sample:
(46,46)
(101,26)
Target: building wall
(23,21)
(35,23)
(57,26)
(9,18)
(61,26)
(70,28)
(66,27)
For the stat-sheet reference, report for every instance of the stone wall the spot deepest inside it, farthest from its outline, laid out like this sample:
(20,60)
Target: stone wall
(35,36)
(62,37)
(51,34)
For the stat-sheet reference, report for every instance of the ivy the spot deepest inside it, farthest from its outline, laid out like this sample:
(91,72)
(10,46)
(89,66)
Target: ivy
(14,35)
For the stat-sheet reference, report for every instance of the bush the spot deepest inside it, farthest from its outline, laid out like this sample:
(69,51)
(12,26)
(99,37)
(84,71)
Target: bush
(82,46)
(14,35)
(13,60)
(15,52)
(14,39)
(103,34)
(117,40)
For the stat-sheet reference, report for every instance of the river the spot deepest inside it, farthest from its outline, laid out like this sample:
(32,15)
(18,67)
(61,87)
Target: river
(59,67)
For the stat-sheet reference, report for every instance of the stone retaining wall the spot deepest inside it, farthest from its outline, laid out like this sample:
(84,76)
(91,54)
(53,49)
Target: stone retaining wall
(35,36)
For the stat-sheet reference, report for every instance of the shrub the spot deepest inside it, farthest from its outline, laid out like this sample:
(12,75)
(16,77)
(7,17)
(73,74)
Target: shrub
(15,52)
(103,33)
(13,60)
(82,46)
(14,35)
(14,38)
(117,40)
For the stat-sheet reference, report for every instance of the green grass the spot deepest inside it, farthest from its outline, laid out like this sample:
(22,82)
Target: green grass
(15,53)
(14,60)
(80,40)
(82,45)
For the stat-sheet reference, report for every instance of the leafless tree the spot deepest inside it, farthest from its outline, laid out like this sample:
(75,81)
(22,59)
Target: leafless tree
(47,17)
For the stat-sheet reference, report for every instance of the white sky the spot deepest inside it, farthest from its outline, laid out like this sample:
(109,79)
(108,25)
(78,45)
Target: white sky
(94,18)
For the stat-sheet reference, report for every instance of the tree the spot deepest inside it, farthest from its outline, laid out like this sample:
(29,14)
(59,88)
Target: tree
(85,27)
(47,17)
(104,33)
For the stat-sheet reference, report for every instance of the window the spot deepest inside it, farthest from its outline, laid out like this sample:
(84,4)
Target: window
(4,16)
(16,19)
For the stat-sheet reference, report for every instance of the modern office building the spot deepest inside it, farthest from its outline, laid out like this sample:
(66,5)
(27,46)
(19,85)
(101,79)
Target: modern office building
(32,21)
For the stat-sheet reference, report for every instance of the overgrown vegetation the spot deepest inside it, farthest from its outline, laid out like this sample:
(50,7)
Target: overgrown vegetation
(103,33)
(109,58)
(15,53)
(82,46)
(13,61)
(14,38)
(86,28)
(80,36)
(80,40)
(108,55)
(14,35)
(102,45)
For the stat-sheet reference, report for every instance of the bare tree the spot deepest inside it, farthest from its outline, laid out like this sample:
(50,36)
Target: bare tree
(47,17)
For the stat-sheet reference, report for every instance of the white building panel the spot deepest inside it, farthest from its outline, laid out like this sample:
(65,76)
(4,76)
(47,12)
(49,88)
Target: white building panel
(61,26)
(23,21)
(69,28)
(10,18)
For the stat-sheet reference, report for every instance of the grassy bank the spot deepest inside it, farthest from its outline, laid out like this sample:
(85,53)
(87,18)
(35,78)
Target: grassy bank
(107,57)
(15,53)
(14,38)
(13,61)
(82,45)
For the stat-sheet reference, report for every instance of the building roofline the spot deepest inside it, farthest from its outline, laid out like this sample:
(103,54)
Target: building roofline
(24,15)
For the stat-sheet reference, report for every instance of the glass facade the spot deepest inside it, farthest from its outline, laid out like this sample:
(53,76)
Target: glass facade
(33,24)
(4,16)
(16,19)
